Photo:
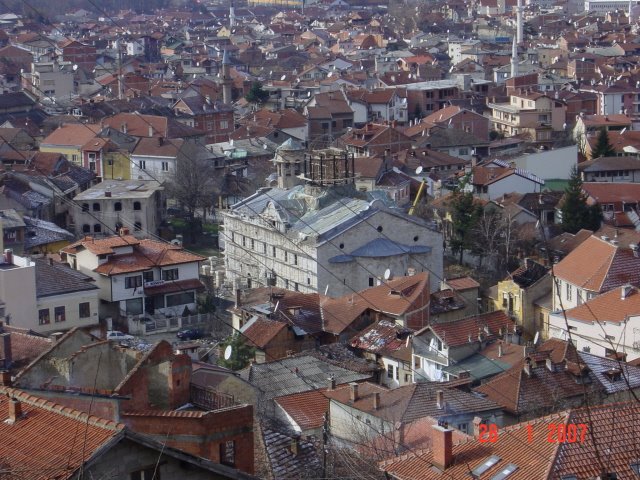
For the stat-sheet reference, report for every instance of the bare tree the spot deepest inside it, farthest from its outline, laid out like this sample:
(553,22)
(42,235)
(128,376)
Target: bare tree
(195,183)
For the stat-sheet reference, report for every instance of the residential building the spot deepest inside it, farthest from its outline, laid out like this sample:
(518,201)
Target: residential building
(13,229)
(359,412)
(107,207)
(519,291)
(591,125)
(68,139)
(374,139)
(305,413)
(314,242)
(620,205)
(329,116)
(77,53)
(50,81)
(156,158)
(445,351)
(606,325)
(388,344)
(496,178)
(461,119)
(424,98)
(137,277)
(215,119)
(597,265)
(42,296)
(534,114)
(19,347)
(111,449)
(506,455)
(556,376)
(611,169)
(273,340)
(145,390)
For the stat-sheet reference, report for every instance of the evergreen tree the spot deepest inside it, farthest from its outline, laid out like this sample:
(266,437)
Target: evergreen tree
(465,213)
(256,94)
(603,147)
(241,353)
(576,214)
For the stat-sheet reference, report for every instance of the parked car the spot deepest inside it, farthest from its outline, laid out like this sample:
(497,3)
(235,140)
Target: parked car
(190,334)
(117,335)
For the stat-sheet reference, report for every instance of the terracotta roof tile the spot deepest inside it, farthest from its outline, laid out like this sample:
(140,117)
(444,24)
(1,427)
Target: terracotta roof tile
(597,265)
(608,307)
(261,331)
(45,442)
(72,134)
(603,193)
(307,409)
(457,333)
(462,283)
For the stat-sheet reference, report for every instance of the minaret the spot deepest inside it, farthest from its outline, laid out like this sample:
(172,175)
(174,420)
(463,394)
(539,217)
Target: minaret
(519,23)
(514,59)
(232,16)
(226,78)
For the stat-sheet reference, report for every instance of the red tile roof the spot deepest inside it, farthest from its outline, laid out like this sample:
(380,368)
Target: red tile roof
(608,307)
(262,331)
(602,192)
(71,134)
(307,409)
(462,283)
(51,441)
(598,266)
(457,333)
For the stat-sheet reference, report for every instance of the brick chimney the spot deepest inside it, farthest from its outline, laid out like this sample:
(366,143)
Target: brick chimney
(376,400)
(5,378)
(353,391)
(5,339)
(295,445)
(440,399)
(442,441)
(477,421)
(15,411)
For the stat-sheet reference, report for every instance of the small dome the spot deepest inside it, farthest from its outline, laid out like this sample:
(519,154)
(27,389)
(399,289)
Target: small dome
(290,145)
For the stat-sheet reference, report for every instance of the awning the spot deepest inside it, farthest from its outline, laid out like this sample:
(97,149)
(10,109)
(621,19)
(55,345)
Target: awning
(173,286)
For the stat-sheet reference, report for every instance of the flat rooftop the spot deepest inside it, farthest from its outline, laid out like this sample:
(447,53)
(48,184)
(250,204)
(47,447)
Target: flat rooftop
(120,189)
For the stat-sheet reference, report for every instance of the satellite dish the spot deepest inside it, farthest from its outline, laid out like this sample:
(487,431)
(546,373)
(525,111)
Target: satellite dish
(227,352)
(419,170)
(283,77)
(277,305)
(623,130)
(387,274)
(75,67)
(535,339)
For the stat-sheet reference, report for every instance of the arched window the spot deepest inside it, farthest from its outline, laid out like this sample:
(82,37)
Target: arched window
(137,226)
(117,206)
(86,228)
(137,206)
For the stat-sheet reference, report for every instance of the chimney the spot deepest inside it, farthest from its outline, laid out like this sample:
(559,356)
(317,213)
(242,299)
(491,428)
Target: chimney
(499,350)
(123,127)
(150,131)
(295,445)
(56,336)
(6,350)
(625,291)
(550,366)
(353,393)
(634,247)
(376,400)
(477,421)
(50,261)
(124,231)
(442,446)
(527,368)
(15,411)
(5,378)
(332,383)
(440,399)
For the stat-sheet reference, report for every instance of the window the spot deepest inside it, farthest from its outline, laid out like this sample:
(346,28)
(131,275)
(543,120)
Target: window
(85,207)
(86,228)
(416,362)
(137,206)
(390,371)
(295,287)
(84,310)
(228,453)
(244,241)
(137,226)
(171,274)
(463,151)
(253,244)
(96,207)
(273,252)
(133,281)
(462,427)
(568,291)
(74,158)
(117,206)
(371,281)
(43,316)
(264,248)
(308,281)
(165,166)
(224,124)
(439,345)
(97,228)
(295,259)
(147,276)
(134,306)
(286,256)
(398,373)
(59,314)
(142,165)
(180,299)
(146,474)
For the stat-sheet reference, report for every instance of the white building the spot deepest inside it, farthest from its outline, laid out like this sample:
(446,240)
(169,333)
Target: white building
(135,204)
(607,324)
(52,80)
(604,6)
(310,238)
(45,297)
(155,158)
(138,277)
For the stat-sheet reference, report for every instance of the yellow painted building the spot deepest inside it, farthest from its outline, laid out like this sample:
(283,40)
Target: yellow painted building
(116,166)
(68,139)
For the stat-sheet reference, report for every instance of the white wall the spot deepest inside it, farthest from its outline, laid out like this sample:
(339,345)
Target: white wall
(153,168)
(18,292)
(71,302)
(550,164)
(510,184)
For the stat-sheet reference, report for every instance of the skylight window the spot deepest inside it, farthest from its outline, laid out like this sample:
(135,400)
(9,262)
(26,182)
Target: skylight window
(635,466)
(505,472)
(483,467)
